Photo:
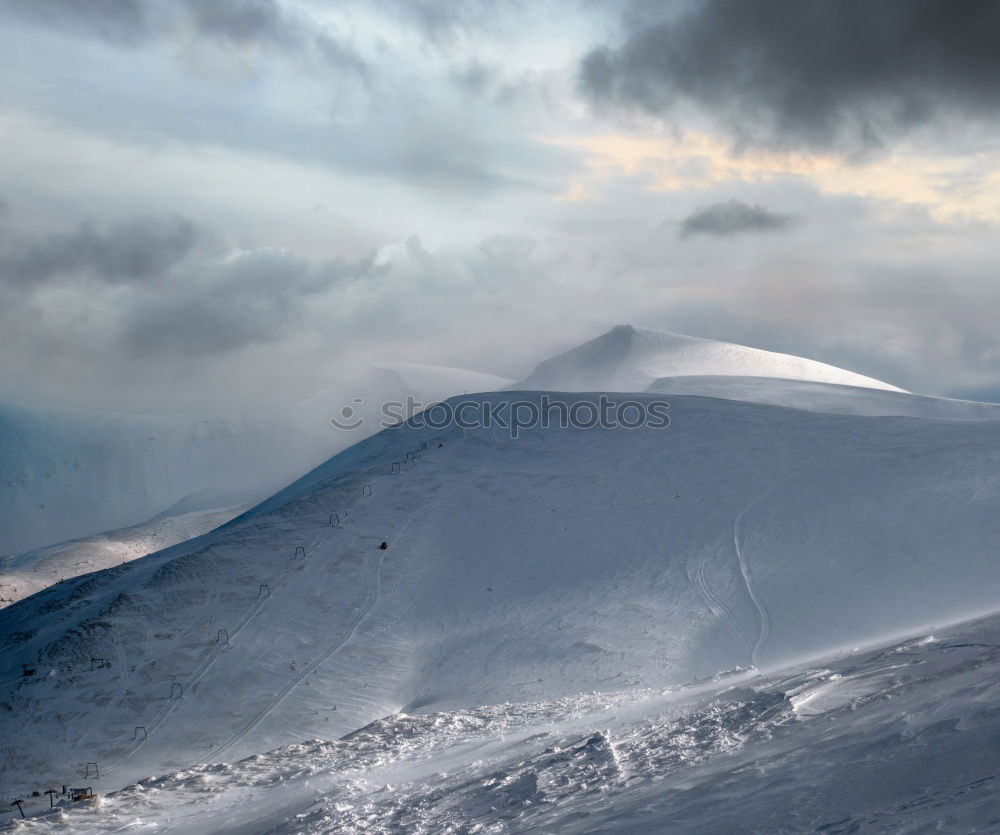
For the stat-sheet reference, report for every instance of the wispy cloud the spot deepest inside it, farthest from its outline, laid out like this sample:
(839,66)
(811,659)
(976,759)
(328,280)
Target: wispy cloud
(734,217)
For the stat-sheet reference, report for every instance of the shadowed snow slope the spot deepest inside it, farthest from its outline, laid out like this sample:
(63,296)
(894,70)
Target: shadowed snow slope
(563,562)
(630,359)
(73,473)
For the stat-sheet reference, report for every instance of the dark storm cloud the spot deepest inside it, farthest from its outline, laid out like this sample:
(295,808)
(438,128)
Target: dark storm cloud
(268,22)
(116,21)
(240,22)
(848,74)
(138,249)
(247,21)
(733,217)
(440,21)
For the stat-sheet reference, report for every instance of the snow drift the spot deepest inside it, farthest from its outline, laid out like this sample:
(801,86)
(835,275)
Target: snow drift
(900,738)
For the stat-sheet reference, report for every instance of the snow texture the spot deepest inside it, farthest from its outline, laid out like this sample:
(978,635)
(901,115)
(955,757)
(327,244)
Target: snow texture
(620,630)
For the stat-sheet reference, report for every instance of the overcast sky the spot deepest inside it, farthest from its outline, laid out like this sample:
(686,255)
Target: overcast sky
(217,204)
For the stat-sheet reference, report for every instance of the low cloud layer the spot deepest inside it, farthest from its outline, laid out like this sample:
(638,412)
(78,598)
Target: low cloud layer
(162,288)
(222,304)
(184,319)
(137,249)
(163,312)
(849,75)
(734,217)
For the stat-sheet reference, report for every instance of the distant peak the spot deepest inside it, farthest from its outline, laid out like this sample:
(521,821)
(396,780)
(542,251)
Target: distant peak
(627,358)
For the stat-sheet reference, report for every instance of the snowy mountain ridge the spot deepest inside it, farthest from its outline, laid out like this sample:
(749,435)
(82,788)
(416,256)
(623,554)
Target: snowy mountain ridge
(71,473)
(25,574)
(827,398)
(631,359)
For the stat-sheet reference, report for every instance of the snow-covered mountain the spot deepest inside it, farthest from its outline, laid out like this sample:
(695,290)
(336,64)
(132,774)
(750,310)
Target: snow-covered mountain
(631,359)
(25,574)
(567,561)
(574,629)
(68,474)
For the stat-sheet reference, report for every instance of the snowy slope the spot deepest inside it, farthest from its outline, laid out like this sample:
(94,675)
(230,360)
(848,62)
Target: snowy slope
(25,574)
(631,359)
(564,562)
(66,474)
(900,738)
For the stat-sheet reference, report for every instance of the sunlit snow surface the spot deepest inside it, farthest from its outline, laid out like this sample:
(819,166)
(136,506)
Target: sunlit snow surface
(26,574)
(631,359)
(903,738)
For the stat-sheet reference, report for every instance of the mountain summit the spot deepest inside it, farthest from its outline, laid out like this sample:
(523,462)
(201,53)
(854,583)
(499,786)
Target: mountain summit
(631,359)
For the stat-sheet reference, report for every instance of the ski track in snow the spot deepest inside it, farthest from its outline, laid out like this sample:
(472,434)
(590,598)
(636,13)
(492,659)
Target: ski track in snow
(717,603)
(256,720)
(714,601)
(763,617)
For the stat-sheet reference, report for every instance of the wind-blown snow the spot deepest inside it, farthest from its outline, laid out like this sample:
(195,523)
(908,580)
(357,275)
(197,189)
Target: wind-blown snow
(432,382)
(900,738)
(631,359)
(69,474)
